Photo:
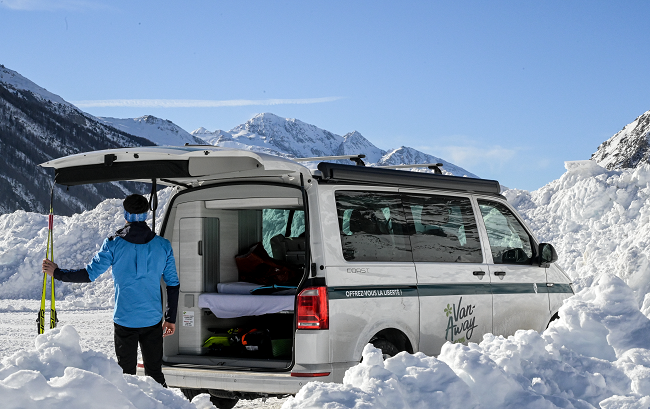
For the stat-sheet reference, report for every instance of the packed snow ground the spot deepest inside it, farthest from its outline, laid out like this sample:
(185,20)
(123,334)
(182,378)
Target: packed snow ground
(596,355)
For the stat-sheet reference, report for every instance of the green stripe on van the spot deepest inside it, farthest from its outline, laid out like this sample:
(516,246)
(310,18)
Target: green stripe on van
(518,288)
(433,290)
(560,288)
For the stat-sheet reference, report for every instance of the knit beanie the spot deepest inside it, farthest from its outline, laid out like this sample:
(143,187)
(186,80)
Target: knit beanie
(135,208)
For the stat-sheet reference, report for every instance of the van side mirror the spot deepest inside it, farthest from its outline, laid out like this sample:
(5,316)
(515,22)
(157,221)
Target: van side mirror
(547,254)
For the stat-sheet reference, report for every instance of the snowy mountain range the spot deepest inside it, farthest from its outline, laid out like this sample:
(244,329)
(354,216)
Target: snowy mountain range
(36,126)
(628,148)
(288,137)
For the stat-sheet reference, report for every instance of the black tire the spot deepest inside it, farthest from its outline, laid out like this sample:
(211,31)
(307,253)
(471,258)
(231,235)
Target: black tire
(387,348)
(192,393)
(223,403)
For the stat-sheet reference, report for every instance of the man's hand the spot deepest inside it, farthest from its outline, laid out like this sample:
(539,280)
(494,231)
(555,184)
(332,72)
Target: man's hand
(49,267)
(168,329)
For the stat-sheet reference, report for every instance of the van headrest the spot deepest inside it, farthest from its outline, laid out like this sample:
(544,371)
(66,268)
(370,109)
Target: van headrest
(363,222)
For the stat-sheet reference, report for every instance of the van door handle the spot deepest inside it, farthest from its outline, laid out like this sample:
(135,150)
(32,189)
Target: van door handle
(479,273)
(499,273)
(200,247)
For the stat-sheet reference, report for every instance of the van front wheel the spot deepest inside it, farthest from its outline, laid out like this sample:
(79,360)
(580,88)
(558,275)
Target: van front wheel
(387,348)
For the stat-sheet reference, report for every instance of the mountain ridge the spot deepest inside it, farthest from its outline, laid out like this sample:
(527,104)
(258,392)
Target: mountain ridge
(37,126)
(628,148)
(162,132)
(293,138)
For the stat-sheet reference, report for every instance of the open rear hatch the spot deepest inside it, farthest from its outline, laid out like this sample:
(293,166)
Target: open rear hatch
(183,166)
(210,223)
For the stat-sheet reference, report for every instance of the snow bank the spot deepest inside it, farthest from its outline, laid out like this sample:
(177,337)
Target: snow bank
(77,238)
(595,356)
(57,374)
(598,220)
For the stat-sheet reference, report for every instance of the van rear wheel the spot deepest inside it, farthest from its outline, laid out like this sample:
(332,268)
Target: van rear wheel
(192,393)
(219,402)
(388,349)
(223,403)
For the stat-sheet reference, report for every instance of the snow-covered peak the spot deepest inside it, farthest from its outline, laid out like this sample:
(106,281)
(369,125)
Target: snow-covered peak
(16,81)
(354,143)
(628,148)
(287,135)
(200,131)
(405,156)
(159,131)
(217,137)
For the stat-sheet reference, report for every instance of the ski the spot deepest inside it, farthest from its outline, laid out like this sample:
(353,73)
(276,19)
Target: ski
(49,254)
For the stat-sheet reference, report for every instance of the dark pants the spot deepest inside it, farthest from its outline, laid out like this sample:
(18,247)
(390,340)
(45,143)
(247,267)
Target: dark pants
(151,345)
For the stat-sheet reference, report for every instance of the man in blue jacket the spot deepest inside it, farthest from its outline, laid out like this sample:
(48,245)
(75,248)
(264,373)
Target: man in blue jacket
(139,259)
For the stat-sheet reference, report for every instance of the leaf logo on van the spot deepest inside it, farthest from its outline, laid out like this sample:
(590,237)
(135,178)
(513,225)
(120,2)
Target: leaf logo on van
(460,323)
(448,310)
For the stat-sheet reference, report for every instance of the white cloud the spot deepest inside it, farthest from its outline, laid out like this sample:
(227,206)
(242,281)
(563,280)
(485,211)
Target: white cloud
(197,103)
(473,154)
(49,5)
(478,154)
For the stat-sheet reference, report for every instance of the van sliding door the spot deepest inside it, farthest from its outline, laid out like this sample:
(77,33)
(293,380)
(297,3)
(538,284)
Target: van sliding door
(453,277)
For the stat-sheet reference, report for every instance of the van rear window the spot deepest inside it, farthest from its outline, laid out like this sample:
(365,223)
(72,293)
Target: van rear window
(372,226)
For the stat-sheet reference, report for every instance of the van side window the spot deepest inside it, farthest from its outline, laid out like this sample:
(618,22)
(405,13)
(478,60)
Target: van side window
(372,226)
(509,241)
(443,229)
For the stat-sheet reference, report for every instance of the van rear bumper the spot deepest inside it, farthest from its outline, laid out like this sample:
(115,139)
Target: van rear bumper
(272,383)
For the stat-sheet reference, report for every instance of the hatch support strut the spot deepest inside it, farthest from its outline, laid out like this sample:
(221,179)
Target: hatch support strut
(153,204)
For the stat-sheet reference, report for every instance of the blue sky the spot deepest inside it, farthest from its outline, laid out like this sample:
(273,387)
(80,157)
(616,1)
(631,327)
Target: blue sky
(507,89)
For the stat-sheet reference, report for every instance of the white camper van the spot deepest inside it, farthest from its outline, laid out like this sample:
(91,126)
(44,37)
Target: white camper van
(288,272)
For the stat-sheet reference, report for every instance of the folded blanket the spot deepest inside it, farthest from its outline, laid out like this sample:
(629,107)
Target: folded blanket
(238,305)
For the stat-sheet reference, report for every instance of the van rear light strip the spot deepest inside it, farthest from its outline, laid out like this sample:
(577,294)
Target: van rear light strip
(309,375)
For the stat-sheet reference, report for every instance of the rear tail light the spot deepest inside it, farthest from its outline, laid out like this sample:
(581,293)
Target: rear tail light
(313,310)
(309,375)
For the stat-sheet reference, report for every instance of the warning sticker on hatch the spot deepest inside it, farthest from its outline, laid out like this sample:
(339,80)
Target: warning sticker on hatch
(188,318)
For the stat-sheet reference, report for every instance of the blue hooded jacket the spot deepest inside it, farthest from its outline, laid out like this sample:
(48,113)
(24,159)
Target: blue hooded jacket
(139,259)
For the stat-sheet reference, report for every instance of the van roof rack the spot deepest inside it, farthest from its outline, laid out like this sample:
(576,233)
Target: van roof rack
(434,166)
(348,174)
(354,158)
